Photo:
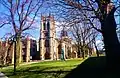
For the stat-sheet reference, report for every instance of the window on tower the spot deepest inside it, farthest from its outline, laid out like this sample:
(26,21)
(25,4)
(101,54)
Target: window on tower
(48,25)
(44,26)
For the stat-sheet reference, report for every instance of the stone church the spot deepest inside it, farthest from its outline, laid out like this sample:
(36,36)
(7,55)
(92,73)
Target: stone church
(49,47)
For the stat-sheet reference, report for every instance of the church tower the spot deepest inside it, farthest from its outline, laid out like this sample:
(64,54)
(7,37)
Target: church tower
(47,37)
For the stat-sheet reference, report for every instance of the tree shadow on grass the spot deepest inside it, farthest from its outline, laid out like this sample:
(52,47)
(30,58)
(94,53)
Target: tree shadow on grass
(93,67)
(39,72)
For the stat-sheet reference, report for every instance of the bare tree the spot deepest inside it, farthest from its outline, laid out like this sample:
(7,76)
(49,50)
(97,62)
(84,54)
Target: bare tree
(103,12)
(84,37)
(94,42)
(20,15)
(81,28)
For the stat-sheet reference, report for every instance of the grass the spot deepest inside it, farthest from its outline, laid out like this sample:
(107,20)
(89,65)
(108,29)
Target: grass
(47,69)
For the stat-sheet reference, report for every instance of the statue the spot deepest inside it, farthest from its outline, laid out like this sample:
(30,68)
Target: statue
(62,55)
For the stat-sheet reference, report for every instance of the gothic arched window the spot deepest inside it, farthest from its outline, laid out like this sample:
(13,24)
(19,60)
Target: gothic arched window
(44,26)
(48,25)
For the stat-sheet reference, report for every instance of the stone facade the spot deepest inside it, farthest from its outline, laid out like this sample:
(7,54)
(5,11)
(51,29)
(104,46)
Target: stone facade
(47,37)
(50,46)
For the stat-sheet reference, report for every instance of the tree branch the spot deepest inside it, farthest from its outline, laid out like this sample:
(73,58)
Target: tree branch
(4,24)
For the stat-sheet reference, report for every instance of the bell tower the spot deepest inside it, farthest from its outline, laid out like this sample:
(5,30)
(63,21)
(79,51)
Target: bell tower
(47,37)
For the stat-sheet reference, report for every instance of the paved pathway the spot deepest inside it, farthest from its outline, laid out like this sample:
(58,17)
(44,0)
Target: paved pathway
(2,75)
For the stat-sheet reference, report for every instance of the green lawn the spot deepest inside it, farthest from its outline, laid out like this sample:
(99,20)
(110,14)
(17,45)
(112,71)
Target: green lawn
(47,69)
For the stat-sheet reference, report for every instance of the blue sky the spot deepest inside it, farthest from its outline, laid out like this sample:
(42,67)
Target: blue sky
(7,29)
(35,32)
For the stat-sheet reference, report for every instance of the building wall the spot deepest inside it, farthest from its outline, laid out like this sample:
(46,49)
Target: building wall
(6,51)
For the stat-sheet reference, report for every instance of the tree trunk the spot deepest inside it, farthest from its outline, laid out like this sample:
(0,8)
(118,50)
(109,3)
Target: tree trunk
(15,58)
(78,53)
(83,55)
(112,45)
(18,50)
(83,52)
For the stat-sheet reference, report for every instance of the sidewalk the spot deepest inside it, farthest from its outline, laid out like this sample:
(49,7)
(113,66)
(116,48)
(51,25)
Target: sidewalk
(2,75)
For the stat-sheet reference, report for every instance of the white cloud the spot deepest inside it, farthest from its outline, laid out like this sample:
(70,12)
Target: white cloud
(30,37)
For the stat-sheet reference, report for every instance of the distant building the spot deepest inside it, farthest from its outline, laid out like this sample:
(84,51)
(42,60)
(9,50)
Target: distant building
(47,47)
(30,46)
